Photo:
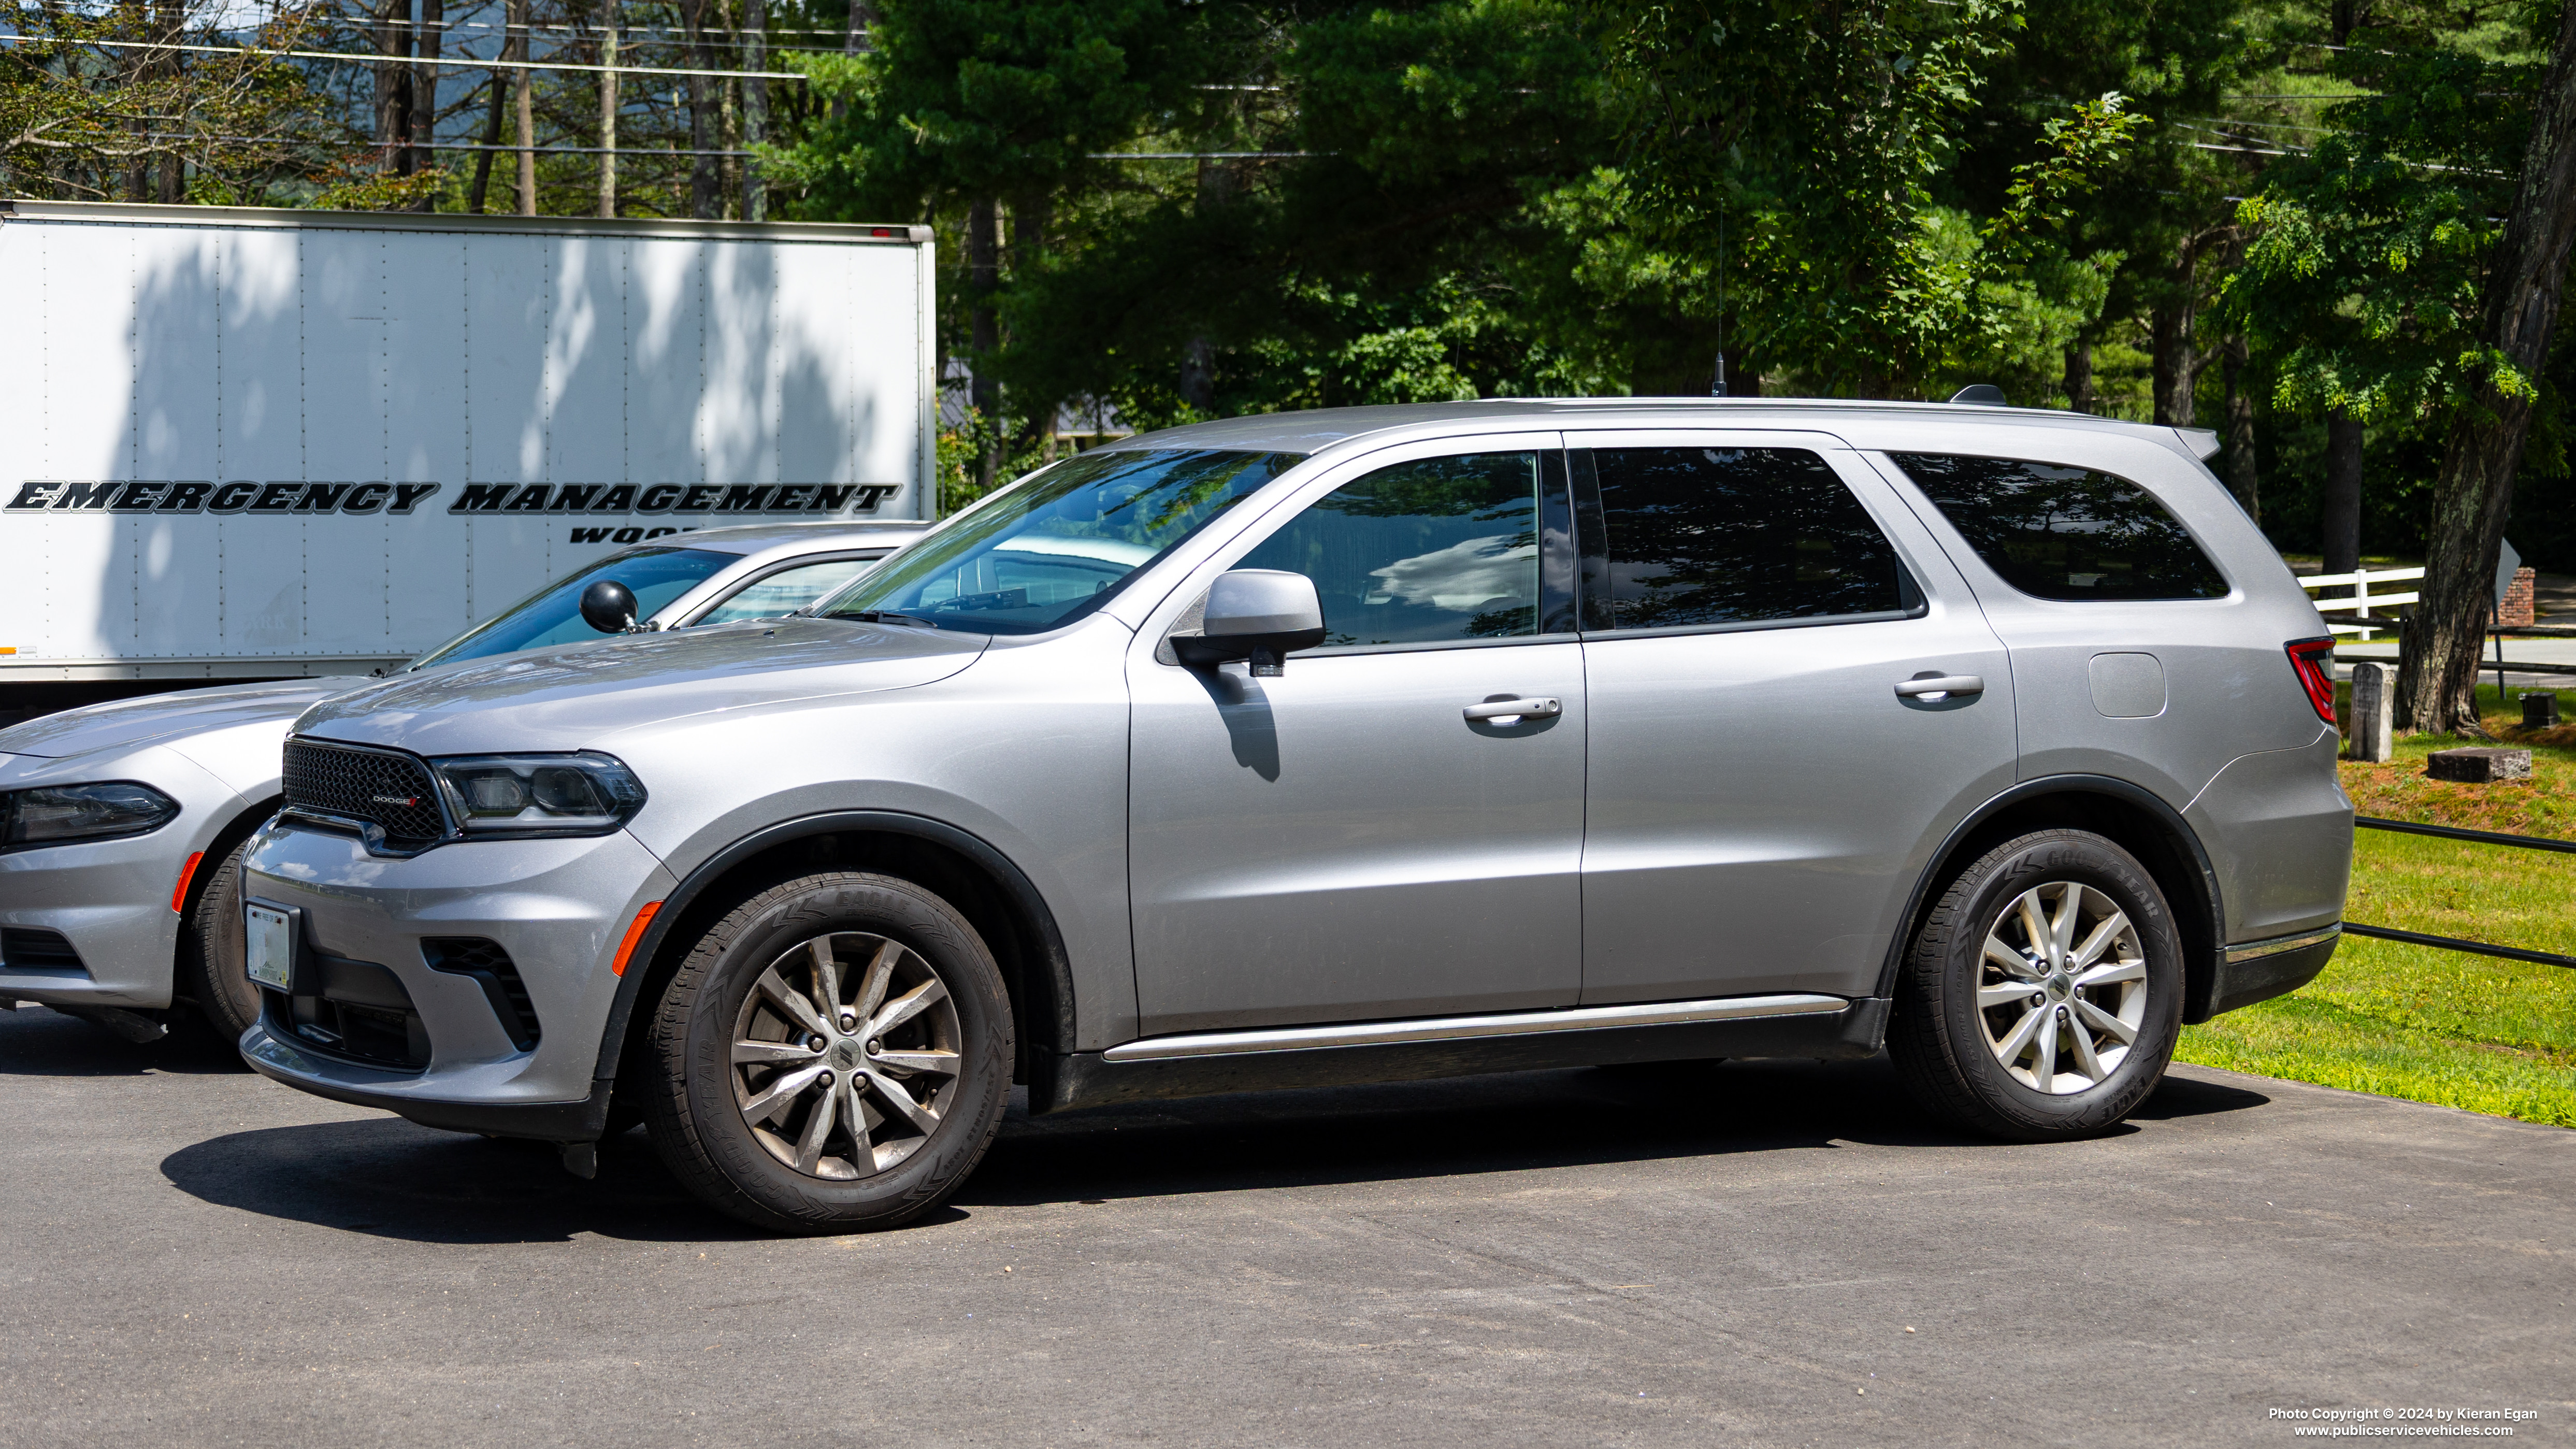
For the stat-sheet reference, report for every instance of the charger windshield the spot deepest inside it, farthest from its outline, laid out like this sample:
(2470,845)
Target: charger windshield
(552,615)
(1058,543)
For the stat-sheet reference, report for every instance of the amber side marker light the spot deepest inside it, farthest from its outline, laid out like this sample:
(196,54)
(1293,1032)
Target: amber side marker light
(634,933)
(179,892)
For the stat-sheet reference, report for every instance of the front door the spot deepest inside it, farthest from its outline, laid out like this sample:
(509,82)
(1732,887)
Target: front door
(1341,843)
(1763,794)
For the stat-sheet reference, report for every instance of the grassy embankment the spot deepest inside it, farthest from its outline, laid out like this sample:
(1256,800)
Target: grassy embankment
(2477,1032)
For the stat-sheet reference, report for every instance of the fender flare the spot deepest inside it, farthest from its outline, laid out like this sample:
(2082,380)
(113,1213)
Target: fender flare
(2195,1003)
(1014,882)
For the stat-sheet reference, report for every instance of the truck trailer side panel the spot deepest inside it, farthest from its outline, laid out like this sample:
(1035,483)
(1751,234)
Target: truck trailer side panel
(239,443)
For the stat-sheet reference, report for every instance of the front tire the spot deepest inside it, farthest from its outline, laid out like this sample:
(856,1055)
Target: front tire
(2043,995)
(832,1056)
(215,968)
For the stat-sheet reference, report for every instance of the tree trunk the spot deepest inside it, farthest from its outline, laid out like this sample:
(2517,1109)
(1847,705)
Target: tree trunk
(2342,523)
(1216,186)
(607,111)
(482,187)
(983,278)
(2169,329)
(2079,375)
(2437,681)
(755,106)
(2239,460)
(393,87)
(706,181)
(523,89)
(432,31)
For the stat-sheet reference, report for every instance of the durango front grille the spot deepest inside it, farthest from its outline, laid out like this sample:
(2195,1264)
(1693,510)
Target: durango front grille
(390,791)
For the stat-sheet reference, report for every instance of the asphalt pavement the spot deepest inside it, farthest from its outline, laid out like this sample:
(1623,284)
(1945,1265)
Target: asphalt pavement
(1772,1253)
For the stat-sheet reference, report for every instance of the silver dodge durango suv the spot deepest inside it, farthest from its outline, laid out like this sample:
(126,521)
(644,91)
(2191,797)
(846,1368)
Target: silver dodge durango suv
(1346,746)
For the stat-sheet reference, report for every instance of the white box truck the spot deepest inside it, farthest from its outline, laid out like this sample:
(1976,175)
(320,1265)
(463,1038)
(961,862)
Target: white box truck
(240,443)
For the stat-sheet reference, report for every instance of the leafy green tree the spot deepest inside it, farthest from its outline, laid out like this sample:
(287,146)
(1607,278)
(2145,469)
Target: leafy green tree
(1814,135)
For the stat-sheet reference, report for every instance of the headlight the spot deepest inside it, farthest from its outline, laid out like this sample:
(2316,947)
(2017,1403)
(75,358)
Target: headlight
(524,795)
(63,814)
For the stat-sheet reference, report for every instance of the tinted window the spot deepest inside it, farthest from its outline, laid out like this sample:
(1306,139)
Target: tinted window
(1734,535)
(1439,549)
(786,591)
(1052,546)
(552,615)
(2065,533)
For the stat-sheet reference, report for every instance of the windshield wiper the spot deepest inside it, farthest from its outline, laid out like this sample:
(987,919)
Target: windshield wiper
(889,616)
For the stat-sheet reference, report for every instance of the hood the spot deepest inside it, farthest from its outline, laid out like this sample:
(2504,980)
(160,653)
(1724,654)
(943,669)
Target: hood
(575,698)
(129,722)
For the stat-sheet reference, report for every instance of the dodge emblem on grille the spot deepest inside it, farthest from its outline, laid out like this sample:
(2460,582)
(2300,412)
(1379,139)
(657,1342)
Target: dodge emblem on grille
(406,801)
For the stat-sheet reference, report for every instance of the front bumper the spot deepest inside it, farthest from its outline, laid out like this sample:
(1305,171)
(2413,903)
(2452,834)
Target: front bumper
(557,908)
(108,899)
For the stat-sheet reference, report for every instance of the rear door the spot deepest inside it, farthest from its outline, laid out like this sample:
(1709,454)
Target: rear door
(1761,796)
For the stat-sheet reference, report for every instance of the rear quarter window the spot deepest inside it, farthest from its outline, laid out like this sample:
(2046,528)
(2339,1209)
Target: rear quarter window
(2060,532)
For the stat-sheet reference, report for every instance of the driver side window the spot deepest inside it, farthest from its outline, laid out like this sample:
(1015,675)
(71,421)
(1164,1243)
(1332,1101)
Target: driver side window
(1429,551)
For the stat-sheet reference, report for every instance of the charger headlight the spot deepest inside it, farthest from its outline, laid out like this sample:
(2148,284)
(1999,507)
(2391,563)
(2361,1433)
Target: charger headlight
(69,814)
(538,795)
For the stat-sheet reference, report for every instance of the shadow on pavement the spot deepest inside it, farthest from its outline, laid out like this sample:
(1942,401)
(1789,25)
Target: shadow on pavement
(2177,1097)
(36,1042)
(391,1179)
(388,1178)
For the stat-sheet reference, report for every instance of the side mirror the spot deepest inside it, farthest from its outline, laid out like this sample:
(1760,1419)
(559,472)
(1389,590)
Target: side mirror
(1256,614)
(608,606)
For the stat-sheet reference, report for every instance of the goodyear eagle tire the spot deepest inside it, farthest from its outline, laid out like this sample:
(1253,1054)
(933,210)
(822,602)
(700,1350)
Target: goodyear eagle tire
(831,1056)
(2043,995)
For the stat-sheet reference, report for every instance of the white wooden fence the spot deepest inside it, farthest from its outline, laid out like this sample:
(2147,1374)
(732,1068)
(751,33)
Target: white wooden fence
(2352,593)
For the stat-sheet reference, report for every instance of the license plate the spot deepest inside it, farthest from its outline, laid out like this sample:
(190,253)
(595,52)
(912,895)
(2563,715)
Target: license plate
(271,954)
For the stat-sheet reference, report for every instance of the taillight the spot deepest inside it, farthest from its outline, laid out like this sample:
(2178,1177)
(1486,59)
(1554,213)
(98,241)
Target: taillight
(2314,660)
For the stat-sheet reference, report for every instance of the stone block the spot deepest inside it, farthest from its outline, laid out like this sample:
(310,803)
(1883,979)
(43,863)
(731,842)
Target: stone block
(2374,712)
(2479,765)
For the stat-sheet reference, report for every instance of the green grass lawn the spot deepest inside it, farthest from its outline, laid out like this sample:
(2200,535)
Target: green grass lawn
(2477,1032)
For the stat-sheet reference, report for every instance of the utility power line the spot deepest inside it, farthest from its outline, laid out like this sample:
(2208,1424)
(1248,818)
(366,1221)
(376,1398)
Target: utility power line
(371,145)
(1201,155)
(379,59)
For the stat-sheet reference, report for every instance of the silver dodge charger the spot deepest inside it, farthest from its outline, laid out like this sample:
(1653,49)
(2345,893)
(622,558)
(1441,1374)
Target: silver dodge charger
(122,825)
(1346,746)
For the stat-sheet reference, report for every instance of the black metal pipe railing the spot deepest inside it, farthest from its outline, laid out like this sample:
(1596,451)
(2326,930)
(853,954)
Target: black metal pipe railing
(2455,943)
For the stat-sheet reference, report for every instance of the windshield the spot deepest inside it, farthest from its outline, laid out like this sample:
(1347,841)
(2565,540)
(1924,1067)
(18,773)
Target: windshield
(552,615)
(1055,545)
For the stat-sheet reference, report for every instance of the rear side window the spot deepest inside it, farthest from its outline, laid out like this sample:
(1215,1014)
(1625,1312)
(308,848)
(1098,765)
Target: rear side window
(1702,536)
(2060,532)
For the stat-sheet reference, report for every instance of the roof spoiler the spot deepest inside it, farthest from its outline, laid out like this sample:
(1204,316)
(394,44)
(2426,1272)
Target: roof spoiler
(2203,442)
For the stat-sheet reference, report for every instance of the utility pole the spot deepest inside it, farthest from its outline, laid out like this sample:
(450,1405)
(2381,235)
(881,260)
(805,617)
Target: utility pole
(755,105)
(526,99)
(607,113)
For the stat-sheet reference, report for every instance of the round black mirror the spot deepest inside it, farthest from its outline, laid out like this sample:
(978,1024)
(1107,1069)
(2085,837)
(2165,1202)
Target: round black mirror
(608,606)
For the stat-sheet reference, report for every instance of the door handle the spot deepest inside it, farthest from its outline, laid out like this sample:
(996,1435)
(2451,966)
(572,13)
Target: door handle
(1514,709)
(1940,687)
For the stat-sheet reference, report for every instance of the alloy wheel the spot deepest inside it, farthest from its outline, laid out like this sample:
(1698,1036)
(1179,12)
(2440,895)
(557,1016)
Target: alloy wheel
(2062,992)
(845,1055)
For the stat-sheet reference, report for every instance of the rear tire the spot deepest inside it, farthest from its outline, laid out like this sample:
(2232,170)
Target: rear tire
(2043,995)
(215,953)
(827,1000)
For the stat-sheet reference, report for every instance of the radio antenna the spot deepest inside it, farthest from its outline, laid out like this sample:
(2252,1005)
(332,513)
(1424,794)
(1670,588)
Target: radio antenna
(1717,388)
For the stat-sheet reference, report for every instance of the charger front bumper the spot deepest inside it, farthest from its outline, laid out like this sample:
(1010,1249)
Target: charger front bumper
(109,900)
